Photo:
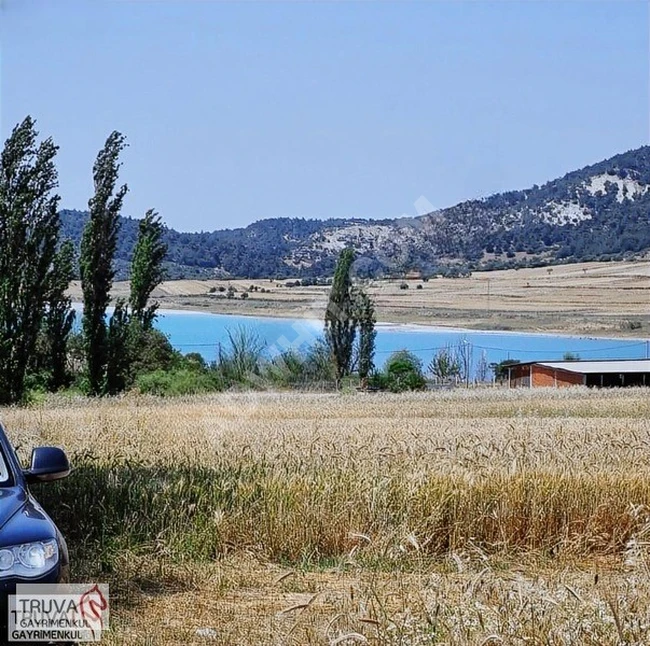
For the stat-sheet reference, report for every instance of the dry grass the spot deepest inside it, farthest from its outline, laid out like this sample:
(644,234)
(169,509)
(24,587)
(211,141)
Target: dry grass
(468,517)
(586,298)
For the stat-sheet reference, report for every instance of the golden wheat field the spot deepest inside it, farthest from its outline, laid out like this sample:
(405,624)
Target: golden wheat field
(481,516)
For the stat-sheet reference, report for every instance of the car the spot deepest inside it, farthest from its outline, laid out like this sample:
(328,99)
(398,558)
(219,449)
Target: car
(32,549)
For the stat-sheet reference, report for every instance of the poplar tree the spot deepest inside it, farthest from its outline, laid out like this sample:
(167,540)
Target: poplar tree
(29,231)
(146,268)
(121,348)
(59,317)
(367,334)
(98,246)
(340,319)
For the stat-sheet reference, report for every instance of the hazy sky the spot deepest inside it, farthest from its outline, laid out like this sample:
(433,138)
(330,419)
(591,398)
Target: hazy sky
(240,111)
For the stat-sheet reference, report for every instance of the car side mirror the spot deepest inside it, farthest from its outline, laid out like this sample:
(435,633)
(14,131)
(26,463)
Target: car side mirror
(48,463)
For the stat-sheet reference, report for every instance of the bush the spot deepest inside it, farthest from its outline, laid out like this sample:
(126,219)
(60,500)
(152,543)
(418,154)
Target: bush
(293,368)
(154,352)
(403,371)
(631,325)
(176,382)
(193,361)
(239,362)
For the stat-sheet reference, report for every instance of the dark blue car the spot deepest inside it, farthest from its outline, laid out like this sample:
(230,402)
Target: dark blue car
(32,549)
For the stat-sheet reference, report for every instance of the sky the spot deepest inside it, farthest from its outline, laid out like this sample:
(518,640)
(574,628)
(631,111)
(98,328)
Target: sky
(238,111)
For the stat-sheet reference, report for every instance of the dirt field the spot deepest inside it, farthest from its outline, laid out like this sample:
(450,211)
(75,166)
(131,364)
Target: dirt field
(471,517)
(589,298)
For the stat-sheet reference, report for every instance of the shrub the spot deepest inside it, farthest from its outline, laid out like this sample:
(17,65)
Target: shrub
(176,382)
(240,361)
(403,371)
(154,352)
(293,368)
(194,361)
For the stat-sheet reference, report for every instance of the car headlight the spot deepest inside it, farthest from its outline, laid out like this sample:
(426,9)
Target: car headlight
(28,560)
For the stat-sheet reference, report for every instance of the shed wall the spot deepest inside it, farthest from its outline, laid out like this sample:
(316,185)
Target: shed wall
(544,377)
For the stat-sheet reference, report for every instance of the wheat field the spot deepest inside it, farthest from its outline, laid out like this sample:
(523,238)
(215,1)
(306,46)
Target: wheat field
(481,516)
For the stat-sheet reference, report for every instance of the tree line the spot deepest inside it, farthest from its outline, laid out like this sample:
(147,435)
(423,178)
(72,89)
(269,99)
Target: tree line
(41,347)
(37,265)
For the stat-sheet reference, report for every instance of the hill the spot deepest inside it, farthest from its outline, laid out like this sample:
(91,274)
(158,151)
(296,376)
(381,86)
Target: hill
(600,212)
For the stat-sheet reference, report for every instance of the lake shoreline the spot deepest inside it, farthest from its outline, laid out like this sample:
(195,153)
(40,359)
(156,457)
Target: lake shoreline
(415,327)
(591,300)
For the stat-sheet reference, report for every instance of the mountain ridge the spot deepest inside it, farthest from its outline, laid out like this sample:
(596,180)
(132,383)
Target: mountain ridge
(599,212)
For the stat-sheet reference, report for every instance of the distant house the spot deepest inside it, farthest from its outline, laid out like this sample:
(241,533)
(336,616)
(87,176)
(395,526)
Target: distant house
(615,373)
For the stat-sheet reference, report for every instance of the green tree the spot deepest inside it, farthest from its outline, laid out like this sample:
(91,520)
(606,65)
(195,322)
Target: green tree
(365,316)
(403,371)
(146,268)
(502,369)
(29,231)
(59,317)
(340,319)
(120,349)
(96,262)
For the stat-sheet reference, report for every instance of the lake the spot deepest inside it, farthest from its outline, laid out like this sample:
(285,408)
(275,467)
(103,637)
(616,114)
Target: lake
(202,332)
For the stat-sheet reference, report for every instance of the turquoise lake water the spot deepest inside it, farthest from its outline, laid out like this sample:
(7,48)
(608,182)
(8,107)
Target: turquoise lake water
(202,332)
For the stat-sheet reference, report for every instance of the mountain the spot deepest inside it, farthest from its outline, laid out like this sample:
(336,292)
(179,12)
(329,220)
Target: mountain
(600,212)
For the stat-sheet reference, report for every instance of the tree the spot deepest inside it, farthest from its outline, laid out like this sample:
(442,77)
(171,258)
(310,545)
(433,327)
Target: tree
(340,321)
(403,371)
(96,263)
(445,366)
(365,316)
(502,369)
(146,268)
(119,345)
(29,231)
(59,317)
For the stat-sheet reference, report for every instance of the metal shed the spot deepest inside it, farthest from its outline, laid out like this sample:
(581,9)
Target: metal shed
(614,373)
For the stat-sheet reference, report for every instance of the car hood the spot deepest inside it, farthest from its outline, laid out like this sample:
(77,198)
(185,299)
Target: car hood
(21,518)
(12,500)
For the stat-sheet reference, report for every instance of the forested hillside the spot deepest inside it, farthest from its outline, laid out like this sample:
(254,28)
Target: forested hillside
(600,212)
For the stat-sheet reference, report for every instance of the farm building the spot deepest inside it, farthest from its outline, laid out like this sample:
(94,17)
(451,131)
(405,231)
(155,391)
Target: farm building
(618,373)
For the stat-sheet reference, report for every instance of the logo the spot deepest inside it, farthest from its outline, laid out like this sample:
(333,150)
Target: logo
(58,612)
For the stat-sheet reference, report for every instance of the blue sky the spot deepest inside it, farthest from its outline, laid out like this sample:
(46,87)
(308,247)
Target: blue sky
(240,111)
